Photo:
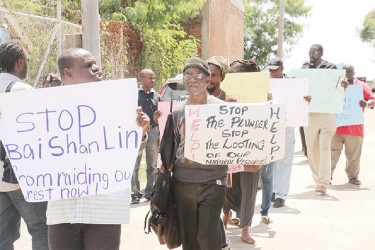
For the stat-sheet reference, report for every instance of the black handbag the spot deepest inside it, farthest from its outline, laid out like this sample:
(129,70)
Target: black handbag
(162,217)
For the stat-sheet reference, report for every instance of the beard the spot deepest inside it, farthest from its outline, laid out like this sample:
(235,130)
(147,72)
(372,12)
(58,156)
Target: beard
(211,90)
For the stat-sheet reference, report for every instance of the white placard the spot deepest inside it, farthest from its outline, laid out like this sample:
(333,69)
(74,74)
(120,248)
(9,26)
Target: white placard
(223,134)
(72,141)
(290,92)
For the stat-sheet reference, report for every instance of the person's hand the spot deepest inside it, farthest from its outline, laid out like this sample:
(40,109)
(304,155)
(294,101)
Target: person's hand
(307,98)
(170,169)
(269,97)
(362,103)
(344,83)
(157,115)
(143,120)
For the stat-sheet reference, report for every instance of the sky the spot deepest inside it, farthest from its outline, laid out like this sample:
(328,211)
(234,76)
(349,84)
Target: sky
(335,24)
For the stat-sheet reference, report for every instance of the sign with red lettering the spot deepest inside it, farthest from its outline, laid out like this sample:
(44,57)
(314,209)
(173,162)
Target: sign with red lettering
(223,134)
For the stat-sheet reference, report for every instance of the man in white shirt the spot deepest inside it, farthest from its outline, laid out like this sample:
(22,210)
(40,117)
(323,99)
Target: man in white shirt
(91,222)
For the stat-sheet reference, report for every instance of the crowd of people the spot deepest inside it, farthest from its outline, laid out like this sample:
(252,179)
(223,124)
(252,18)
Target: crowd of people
(206,196)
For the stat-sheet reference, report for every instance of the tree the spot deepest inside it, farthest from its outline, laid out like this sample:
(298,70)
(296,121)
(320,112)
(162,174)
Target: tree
(261,24)
(367,33)
(166,45)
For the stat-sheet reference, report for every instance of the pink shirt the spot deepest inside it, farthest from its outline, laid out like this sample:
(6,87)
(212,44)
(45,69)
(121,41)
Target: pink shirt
(356,130)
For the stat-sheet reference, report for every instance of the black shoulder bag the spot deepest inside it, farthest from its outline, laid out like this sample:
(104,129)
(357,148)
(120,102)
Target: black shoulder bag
(8,175)
(163,218)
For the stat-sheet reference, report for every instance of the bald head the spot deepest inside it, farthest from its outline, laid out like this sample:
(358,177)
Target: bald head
(349,74)
(78,65)
(147,79)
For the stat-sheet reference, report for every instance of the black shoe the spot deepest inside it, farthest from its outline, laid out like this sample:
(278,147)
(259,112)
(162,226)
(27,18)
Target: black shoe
(147,198)
(279,203)
(273,197)
(135,200)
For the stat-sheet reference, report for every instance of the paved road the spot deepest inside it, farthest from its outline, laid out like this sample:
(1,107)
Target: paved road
(343,219)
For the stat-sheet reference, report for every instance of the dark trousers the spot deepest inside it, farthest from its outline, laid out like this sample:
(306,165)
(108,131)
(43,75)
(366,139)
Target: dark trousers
(303,140)
(13,206)
(84,236)
(198,211)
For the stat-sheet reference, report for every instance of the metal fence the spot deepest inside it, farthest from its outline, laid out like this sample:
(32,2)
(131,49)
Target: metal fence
(42,37)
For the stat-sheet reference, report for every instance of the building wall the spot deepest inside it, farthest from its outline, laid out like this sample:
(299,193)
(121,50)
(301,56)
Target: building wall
(221,28)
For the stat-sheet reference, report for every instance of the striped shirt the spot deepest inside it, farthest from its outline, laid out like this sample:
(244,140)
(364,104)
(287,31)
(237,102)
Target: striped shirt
(111,208)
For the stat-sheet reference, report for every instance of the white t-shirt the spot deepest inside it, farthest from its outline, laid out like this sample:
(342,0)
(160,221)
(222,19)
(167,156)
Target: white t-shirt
(5,80)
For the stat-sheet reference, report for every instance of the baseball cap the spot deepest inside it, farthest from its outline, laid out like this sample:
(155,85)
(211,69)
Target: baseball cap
(274,63)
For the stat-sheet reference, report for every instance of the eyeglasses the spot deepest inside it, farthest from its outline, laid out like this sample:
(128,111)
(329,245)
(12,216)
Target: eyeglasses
(313,51)
(273,70)
(193,77)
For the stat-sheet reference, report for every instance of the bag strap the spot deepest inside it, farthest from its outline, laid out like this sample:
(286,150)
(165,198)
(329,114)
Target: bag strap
(10,86)
(2,152)
(2,149)
(147,224)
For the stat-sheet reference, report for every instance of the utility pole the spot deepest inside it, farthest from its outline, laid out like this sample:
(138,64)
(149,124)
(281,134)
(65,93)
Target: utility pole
(280,39)
(91,28)
(59,40)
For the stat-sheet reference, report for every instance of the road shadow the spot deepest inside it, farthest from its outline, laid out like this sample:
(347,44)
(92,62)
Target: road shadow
(312,195)
(282,210)
(347,187)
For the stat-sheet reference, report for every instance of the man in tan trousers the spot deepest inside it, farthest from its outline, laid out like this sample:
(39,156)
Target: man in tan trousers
(321,129)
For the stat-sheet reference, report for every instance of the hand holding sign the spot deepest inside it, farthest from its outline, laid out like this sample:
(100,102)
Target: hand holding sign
(80,146)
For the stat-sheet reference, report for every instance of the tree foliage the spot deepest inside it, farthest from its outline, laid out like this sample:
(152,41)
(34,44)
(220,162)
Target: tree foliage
(71,9)
(367,33)
(166,45)
(261,27)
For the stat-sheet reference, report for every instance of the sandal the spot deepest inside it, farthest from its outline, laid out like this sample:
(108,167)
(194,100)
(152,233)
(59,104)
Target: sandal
(265,219)
(234,221)
(354,181)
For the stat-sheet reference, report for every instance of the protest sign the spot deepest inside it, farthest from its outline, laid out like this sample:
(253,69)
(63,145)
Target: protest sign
(352,113)
(290,92)
(72,141)
(247,87)
(165,109)
(223,134)
(324,88)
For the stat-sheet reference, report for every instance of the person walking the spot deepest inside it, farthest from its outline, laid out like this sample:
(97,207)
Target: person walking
(321,129)
(241,197)
(351,136)
(13,206)
(90,222)
(198,189)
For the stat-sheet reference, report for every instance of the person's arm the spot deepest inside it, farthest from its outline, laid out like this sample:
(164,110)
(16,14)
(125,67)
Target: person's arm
(368,97)
(367,104)
(144,121)
(157,115)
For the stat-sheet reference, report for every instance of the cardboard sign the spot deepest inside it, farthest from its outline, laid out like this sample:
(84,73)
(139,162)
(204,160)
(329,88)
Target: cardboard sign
(324,88)
(164,108)
(290,92)
(72,141)
(223,134)
(352,113)
(247,87)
